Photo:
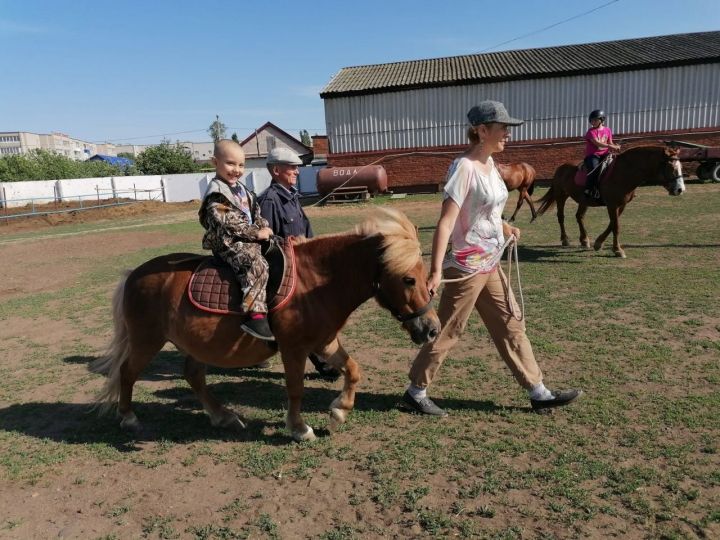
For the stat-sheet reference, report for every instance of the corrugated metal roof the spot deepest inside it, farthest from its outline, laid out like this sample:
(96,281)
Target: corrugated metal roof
(640,53)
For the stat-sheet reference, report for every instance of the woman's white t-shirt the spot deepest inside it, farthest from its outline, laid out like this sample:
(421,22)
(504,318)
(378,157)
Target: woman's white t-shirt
(477,236)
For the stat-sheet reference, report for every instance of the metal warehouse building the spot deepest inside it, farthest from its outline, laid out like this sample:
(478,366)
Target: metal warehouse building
(652,89)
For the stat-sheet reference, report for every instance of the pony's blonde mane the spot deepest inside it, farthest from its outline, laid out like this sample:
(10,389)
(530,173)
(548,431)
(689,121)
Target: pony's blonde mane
(400,242)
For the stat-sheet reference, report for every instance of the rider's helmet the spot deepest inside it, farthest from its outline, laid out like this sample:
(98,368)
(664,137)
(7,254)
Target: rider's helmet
(597,113)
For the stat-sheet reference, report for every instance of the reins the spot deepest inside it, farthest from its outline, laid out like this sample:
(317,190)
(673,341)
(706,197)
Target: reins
(512,252)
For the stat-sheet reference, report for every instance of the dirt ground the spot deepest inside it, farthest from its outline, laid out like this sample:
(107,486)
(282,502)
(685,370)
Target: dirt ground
(196,487)
(89,214)
(80,502)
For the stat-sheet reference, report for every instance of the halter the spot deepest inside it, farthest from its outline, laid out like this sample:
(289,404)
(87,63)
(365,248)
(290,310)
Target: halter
(383,300)
(670,159)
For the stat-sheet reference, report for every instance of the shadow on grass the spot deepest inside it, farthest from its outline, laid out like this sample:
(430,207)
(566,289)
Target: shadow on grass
(182,421)
(681,246)
(535,254)
(168,365)
(489,407)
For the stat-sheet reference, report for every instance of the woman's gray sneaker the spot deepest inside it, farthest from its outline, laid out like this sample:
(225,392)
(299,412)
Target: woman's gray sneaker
(423,406)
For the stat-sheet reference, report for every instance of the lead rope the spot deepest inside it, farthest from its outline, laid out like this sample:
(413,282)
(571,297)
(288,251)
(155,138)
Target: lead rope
(511,253)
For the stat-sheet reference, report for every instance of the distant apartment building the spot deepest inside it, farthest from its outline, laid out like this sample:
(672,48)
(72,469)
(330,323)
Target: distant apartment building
(200,151)
(18,142)
(65,145)
(107,149)
(134,149)
(22,142)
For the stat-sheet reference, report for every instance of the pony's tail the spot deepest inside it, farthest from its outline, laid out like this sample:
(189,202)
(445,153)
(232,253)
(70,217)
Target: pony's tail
(546,202)
(116,355)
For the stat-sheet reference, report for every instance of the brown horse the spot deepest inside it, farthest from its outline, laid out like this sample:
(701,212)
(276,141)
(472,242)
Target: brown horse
(520,176)
(630,169)
(336,274)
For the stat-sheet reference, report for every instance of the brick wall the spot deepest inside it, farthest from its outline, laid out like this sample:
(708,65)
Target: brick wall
(320,145)
(423,169)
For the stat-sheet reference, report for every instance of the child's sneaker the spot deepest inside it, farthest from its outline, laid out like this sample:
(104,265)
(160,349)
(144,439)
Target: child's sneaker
(257,326)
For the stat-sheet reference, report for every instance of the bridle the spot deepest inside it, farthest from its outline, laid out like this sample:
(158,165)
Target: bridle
(382,298)
(671,159)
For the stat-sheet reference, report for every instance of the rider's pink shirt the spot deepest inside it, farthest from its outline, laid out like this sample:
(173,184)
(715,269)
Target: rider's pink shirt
(602,134)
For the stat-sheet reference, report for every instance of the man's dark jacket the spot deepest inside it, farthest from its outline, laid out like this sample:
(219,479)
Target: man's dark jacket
(283,211)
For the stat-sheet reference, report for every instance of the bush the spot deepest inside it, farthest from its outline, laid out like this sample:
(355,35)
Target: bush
(45,165)
(166,159)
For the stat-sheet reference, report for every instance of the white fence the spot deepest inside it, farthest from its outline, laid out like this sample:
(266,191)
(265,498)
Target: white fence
(168,188)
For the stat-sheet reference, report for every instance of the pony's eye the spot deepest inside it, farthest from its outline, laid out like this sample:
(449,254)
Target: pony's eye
(409,280)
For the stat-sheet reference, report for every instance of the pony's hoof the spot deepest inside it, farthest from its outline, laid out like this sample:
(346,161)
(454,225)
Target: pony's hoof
(228,421)
(334,424)
(130,423)
(565,242)
(307,436)
(597,246)
(620,253)
(585,244)
(338,416)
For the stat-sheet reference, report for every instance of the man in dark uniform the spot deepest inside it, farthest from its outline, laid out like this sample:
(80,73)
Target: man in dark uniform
(279,203)
(280,206)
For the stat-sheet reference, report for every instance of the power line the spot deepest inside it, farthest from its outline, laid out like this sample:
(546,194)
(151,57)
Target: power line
(159,135)
(548,27)
(231,128)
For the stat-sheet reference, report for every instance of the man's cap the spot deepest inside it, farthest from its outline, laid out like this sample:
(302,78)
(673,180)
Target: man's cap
(283,156)
(491,111)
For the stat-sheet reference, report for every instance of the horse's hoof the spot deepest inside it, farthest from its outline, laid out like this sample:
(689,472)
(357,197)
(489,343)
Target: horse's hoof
(338,415)
(585,244)
(597,246)
(565,243)
(130,423)
(307,436)
(620,253)
(333,424)
(228,421)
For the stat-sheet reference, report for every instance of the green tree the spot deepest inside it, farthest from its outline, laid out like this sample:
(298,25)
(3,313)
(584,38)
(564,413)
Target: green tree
(165,158)
(305,138)
(44,165)
(217,129)
(128,155)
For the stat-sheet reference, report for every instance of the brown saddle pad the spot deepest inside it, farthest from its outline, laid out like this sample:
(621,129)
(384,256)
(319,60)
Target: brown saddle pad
(213,286)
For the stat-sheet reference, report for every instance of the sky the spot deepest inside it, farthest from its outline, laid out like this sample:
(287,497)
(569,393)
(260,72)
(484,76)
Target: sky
(135,72)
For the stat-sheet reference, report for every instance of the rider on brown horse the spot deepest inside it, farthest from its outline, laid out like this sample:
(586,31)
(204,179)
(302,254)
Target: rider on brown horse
(598,142)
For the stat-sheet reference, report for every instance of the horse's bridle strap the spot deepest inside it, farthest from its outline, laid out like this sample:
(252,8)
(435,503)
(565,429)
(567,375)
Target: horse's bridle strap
(399,316)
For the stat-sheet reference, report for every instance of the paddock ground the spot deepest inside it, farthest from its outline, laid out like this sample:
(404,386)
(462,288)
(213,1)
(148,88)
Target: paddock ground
(637,457)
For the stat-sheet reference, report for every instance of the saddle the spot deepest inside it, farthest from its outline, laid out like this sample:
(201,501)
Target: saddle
(582,172)
(214,288)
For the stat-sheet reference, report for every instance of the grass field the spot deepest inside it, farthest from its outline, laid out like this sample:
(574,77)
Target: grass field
(636,457)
